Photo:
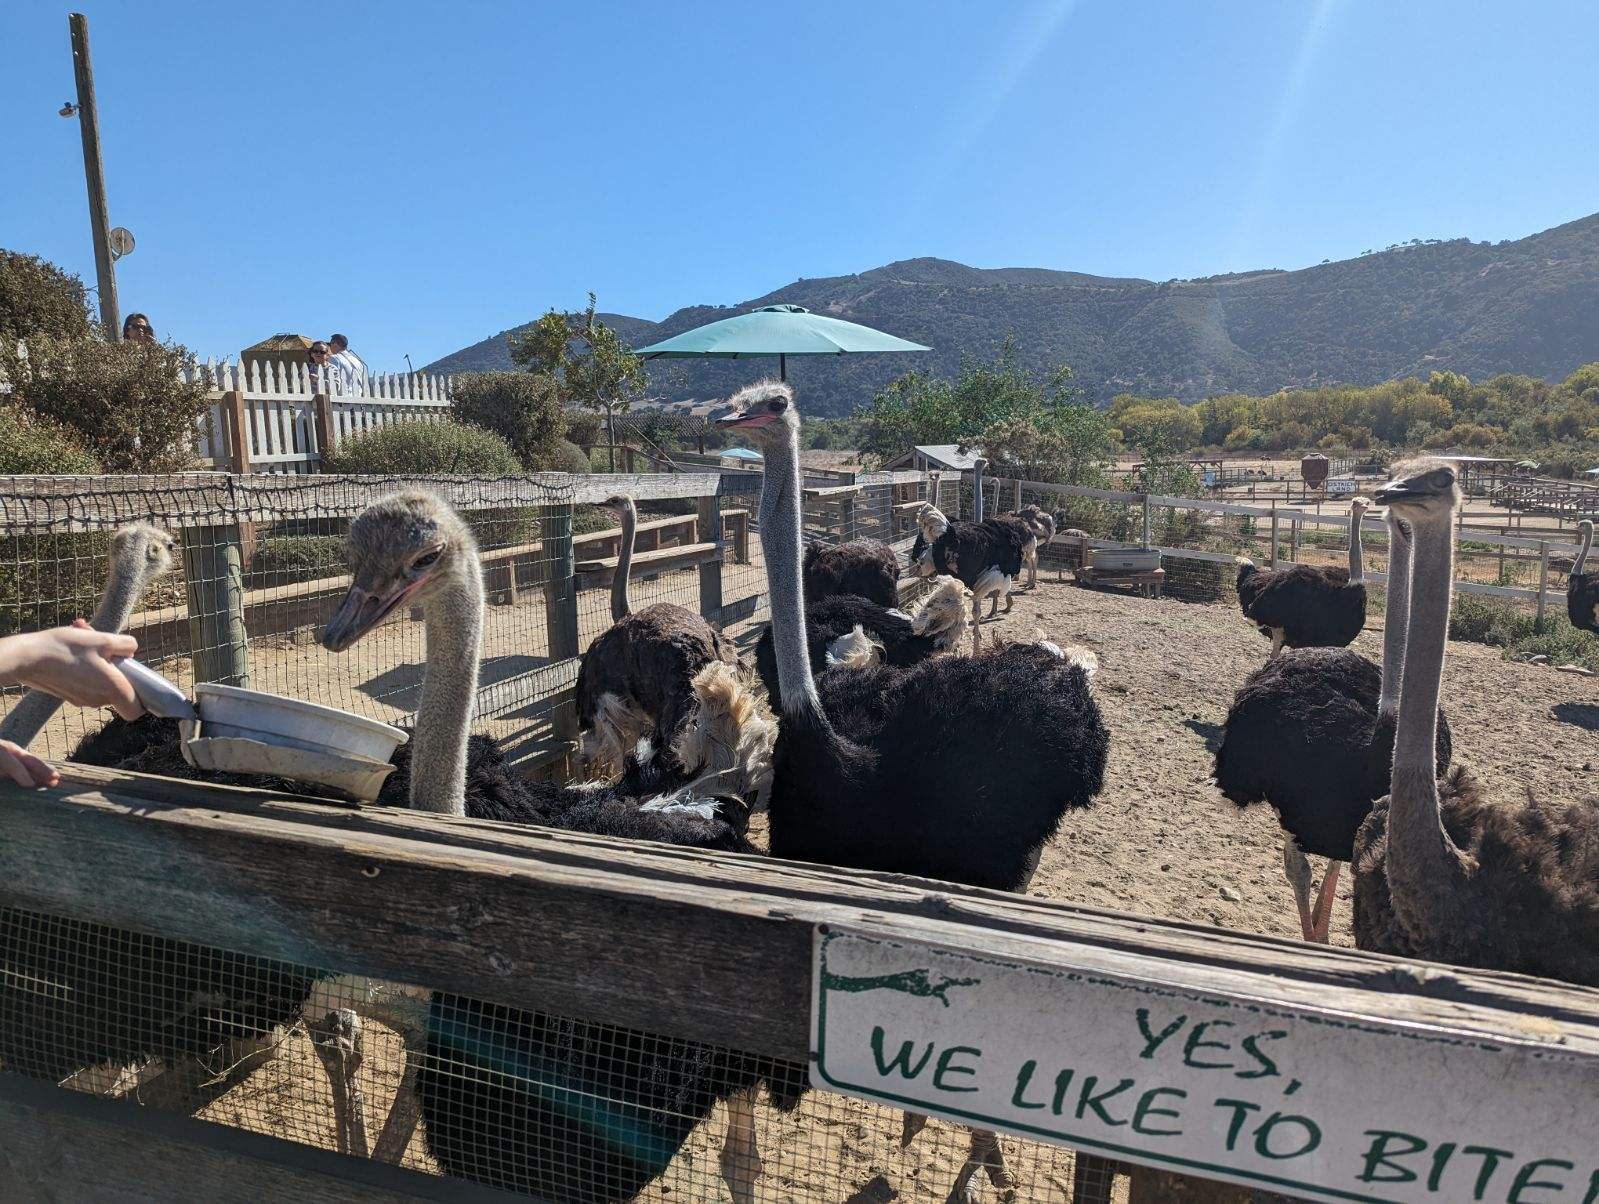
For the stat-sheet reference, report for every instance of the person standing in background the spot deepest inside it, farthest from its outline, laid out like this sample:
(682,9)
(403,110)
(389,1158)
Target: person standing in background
(348,368)
(322,372)
(136,328)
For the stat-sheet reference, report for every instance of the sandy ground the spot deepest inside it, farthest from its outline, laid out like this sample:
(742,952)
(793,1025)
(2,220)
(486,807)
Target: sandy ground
(1160,841)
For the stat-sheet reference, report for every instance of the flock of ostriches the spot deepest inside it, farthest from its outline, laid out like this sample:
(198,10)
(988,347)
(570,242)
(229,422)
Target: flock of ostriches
(872,743)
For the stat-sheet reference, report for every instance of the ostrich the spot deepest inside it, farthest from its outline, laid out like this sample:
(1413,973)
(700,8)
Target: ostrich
(952,768)
(566,1110)
(862,568)
(986,556)
(1042,524)
(1582,588)
(933,627)
(1443,872)
(634,679)
(1305,607)
(1311,732)
(140,552)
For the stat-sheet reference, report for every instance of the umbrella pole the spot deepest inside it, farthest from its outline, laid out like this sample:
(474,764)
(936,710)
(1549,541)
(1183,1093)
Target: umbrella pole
(782,367)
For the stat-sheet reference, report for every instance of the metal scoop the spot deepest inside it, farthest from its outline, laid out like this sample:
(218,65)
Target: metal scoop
(158,695)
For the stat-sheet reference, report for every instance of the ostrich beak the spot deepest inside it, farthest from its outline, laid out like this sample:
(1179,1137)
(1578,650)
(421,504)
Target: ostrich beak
(361,610)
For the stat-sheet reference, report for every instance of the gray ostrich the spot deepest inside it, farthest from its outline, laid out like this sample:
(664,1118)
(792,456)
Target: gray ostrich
(1443,872)
(140,552)
(414,547)
(1042,524)
(635,679)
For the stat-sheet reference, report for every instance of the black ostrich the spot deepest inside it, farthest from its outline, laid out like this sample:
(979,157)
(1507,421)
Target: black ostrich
(953,768)
(1442,871)
(935,626)
(861,568)
(566,1110)
(1305,607)
(986,556)
(1311,732)
(1582,588)
(634,679)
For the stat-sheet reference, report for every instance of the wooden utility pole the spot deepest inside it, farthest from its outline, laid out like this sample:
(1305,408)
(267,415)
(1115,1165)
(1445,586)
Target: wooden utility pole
(94,173)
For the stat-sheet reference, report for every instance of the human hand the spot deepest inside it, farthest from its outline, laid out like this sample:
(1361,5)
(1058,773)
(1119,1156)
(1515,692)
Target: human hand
(25,769)
(74,663)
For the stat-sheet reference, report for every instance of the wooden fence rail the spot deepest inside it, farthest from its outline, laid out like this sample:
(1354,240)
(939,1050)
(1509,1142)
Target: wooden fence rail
(717,948)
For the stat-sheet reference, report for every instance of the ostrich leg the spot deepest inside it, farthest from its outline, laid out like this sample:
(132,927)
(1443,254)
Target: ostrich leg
(1277,637)
(1321,917)
(985,1154)
(741,1159)
(337,1039)
(1296,868)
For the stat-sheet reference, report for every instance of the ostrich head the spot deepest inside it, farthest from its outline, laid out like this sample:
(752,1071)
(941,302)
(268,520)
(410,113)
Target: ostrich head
(402,548)
(1360,504)
(143,549)
(944,610)
(1425,489)
(764,409)
(932,522)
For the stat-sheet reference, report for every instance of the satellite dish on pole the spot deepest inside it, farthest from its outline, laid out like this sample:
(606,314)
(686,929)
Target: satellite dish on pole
(121,240)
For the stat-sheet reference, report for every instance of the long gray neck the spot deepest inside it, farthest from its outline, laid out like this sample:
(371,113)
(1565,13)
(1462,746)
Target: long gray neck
(1396,619)
(1424,866)
(1357,560)
(125,584)
(780,540)
(453,617)
(1586,527)
(620,606)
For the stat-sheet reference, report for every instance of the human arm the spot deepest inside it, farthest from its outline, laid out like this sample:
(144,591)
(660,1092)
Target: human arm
(74,663)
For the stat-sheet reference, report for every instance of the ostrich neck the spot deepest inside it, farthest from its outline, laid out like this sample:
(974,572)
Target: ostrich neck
(1424,867)
(1582,554)
(1395,620)
(453,616)
(1357,559)
(780,541)
(124,587)
(620,606)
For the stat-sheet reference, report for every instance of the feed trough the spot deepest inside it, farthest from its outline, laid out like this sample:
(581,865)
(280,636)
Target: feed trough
(234,730)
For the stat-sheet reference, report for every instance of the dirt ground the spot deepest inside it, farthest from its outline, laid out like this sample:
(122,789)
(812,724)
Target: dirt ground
(1160,841)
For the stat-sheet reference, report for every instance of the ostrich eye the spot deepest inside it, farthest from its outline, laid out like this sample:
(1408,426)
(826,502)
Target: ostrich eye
(778,406)
(429,557)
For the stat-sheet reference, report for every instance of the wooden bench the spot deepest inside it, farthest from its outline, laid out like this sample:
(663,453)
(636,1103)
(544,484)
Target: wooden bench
(597,574)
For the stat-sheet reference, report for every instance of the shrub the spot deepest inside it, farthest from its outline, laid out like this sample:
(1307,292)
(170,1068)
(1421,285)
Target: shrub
(46,580)
(569,457)
(127,401)
(32,446)
(289,558)
(38,298)
(523,408)
(583,427)
(1520,633)
(425,448)
(451,448)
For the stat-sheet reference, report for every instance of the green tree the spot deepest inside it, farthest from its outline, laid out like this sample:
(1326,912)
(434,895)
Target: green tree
(523,408)
(36,297)
(595,368)
(921,408)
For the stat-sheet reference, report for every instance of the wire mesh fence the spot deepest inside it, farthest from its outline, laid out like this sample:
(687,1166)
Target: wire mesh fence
(557,1108)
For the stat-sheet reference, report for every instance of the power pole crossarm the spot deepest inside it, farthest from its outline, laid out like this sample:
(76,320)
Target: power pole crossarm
(94,173)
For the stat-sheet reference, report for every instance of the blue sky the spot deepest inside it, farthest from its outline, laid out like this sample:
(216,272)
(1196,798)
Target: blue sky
(421,175)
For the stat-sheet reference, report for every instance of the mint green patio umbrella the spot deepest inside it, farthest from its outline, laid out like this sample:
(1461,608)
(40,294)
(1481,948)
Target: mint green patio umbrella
(780,330)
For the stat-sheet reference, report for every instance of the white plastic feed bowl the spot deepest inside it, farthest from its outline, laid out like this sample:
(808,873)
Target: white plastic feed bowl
(231,711)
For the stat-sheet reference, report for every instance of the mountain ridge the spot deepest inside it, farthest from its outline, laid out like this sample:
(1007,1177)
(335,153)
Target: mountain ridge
(1529,305)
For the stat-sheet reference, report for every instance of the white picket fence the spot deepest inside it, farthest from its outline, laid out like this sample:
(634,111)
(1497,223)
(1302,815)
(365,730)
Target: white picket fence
(277,408)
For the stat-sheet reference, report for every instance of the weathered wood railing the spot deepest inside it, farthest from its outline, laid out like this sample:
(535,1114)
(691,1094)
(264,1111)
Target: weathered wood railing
(710,947)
